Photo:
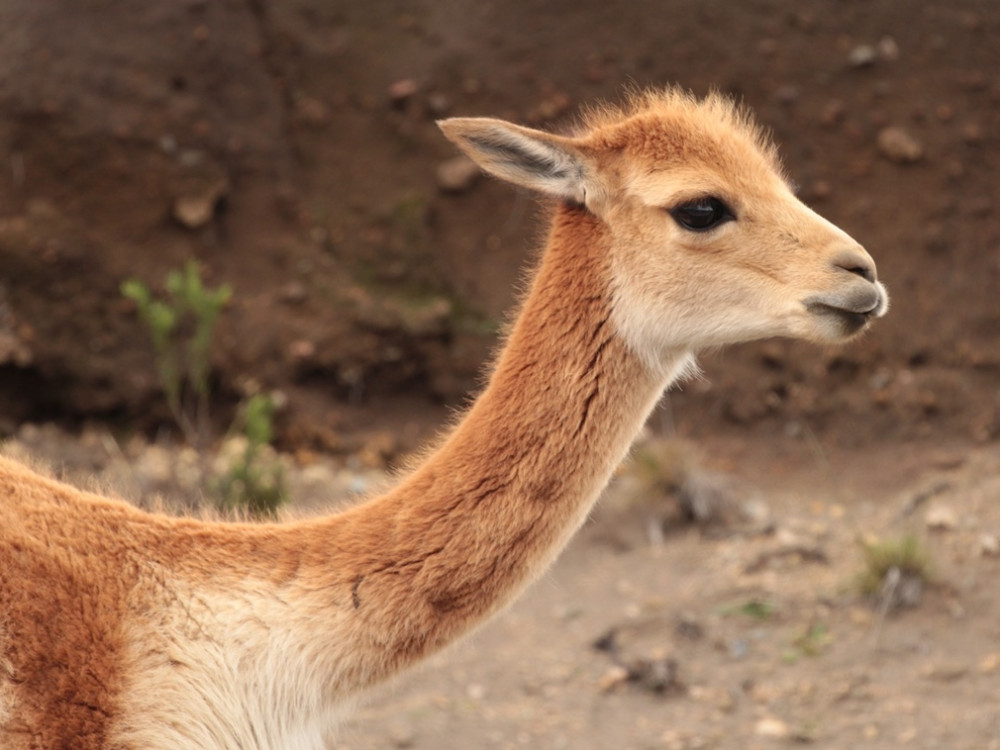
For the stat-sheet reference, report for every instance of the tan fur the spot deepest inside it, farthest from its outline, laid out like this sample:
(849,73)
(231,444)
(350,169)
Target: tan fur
(122,629)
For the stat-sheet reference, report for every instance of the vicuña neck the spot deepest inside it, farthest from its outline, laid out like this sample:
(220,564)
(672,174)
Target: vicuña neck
(491,508)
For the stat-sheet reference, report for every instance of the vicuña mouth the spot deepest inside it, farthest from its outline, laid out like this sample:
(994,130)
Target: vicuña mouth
(850,321)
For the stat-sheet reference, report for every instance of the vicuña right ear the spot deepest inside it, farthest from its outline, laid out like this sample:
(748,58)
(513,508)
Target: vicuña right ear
(530,158)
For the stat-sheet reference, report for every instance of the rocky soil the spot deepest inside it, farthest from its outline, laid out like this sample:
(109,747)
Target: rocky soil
(709,602)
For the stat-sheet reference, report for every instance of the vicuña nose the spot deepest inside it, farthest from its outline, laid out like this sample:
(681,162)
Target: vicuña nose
(857,263)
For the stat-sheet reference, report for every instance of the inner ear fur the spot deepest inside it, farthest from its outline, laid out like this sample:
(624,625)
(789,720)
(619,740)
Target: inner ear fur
(530,158)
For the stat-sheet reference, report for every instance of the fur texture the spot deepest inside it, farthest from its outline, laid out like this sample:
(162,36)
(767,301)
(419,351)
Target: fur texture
(124,629)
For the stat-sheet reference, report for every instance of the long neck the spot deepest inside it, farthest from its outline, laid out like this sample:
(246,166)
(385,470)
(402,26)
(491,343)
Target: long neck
(491,508)
(279,626)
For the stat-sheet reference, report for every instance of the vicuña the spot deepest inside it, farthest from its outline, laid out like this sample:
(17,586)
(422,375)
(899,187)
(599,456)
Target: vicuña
(674,230)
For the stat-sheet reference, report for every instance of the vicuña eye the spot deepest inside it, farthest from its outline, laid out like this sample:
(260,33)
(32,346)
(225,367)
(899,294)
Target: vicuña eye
(702,214)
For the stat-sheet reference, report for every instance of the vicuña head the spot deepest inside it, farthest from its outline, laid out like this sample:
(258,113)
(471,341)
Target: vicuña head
(674,231)
(708,244)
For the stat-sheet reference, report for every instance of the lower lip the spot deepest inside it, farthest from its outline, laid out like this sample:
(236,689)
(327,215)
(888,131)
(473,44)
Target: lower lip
(850,321)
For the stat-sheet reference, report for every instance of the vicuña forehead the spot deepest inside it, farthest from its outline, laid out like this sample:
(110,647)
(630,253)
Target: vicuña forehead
(662,128)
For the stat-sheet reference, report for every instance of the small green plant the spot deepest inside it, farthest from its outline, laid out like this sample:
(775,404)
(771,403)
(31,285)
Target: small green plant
(809,642)
(905,554)
(755,609)
(894,571)
(182,325)
(251,477)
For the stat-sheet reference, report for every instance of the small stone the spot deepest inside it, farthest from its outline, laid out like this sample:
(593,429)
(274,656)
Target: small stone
(990,663)
(302,350)
(739,648)
(476,691)
(941,518)
(378,449)
(888,49)
(944,672)
(293,293)
(787,94)
(402,735)
(403,90)
(767,47)
(13,349)
(310,111)
(907,736)
(197,208)
(832,112)
(458,174)
(972,133)
(317,476)
(154,466)
(771,728)
(862,56)
(899,146)
(438,103)
(612,678)
(188,469)
(193,211)
(989,545)
(553,106)
(820,189)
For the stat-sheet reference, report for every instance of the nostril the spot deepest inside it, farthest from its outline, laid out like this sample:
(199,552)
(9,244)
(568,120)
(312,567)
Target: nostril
(865,272)
(857,265)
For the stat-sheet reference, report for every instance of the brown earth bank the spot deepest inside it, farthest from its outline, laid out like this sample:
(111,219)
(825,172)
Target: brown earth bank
(290,148)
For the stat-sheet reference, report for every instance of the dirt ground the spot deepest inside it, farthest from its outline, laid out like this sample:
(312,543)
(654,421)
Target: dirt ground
(738,640)
(291,149)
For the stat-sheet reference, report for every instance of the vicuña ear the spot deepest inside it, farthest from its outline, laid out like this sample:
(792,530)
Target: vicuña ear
(530,158)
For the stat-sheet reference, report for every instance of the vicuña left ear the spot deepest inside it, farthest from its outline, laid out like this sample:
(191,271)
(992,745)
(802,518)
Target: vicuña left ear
(531,158)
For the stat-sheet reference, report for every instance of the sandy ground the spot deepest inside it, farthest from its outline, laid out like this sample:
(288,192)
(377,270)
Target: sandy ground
(745,631)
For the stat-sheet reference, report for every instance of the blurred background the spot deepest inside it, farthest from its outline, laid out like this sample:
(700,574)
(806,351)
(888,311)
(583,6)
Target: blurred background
(290,149)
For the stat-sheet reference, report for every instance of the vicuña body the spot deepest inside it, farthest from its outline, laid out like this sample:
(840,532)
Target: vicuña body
(674,231)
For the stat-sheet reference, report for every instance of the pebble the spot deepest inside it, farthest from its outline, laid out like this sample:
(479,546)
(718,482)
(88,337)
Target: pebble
(787,94)
(989,545)
(612,678)
(944,672)
(311,111)
(820,189)
(457,175)
(193,211)
(832,112)
(188,470)
(772,728)
(862,56)
(302,350)
(888,49)
(402,735)
(972,133)
(153,466)
(941,518)
(293,293)
(318,475)
(402,90)
(899,146)
(196,209)
(476,691)
(990,663)
(438,103)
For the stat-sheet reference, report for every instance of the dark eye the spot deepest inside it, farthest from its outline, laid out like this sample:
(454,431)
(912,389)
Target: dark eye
(702,214)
